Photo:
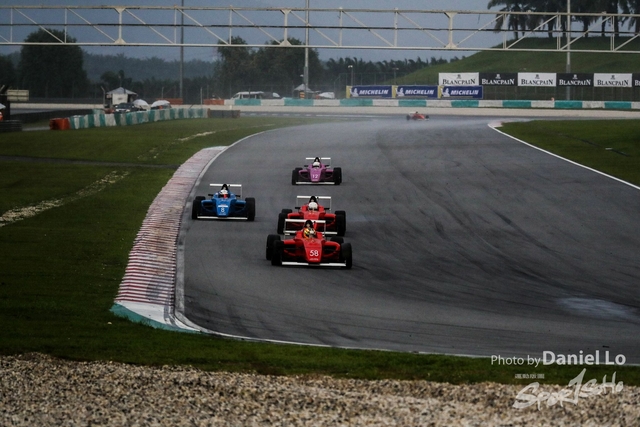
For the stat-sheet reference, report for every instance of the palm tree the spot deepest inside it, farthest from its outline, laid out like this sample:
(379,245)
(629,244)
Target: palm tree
(550,6)
(515,23)
(634,7)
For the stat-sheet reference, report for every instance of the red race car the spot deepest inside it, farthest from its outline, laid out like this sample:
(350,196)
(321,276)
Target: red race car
(316,208)
(417,116)
(309,247)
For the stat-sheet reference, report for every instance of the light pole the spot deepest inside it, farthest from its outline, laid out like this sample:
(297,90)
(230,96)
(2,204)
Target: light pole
(306,51)
(568,69)
(181,48)
(395,82)
(351,68)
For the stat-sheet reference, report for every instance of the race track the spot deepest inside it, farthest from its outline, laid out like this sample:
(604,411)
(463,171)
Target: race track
(464,240)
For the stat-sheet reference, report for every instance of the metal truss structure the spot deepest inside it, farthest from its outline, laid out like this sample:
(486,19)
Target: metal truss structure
(341,28)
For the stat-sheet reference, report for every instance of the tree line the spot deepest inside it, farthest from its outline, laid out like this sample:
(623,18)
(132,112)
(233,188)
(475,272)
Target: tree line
(522,23)
(60,71)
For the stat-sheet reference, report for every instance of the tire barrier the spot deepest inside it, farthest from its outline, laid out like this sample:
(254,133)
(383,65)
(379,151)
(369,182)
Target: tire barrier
(10,126)
(437,103)
(135,118)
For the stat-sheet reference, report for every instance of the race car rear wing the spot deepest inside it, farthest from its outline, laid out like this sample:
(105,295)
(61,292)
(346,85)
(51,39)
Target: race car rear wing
(322,222)
(239,186)
(305,200)
(324,160)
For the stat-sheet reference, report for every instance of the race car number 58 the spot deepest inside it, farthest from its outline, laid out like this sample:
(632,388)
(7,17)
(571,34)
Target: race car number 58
(314,253)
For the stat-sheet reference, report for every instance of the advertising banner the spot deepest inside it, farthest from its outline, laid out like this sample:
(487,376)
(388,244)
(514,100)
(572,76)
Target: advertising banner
(458,79)
(498,79)
(575,79)
(612,80)
(461,92)
(636,79)
(537,79)
(415,91)
(370,92)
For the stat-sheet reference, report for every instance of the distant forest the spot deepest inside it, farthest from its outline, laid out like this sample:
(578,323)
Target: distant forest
(237,69)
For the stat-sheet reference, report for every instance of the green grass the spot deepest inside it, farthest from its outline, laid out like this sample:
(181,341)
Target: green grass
(60,270)
(549,62)
(611,146)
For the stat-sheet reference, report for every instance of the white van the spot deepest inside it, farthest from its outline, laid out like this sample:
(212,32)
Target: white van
(256,95)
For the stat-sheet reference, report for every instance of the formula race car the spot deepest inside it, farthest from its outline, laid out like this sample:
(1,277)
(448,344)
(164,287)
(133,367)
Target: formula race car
(224,205)
(309,247)
(318,171)
(314,208)
(417,116)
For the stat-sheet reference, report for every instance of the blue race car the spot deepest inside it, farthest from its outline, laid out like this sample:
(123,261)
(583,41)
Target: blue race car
(224,205)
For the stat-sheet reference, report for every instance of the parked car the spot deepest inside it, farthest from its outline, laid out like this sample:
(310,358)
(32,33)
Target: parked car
(125,107)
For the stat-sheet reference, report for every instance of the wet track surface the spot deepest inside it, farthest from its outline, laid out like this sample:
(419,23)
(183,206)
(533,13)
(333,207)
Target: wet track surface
(464,241)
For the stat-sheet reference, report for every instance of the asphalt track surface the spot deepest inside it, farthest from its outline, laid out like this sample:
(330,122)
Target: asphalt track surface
(465,241)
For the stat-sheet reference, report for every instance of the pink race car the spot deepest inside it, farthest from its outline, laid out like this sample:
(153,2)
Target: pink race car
(319,171)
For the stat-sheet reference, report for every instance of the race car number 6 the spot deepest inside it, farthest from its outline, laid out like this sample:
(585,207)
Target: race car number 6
(314,252)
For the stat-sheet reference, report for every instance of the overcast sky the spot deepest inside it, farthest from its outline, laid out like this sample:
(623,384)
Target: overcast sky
(207,53)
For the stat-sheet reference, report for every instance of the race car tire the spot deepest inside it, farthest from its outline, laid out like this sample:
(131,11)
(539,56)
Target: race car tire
(270,239)
(295,175)
(408,117)
(337,240)
(195,207)
(337,176)
(276,254)
(281,217)
(251,208)
(341,222)
(345,254)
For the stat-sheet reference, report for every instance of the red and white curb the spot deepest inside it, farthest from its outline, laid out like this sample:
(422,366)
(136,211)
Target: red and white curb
(147,292)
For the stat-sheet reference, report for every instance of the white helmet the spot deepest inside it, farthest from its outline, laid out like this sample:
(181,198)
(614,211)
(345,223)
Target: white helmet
(316,164)
(224,193)
(313,206)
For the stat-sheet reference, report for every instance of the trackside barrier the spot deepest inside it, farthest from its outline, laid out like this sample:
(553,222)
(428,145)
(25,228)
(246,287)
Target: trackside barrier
(135,118)
(59,124)
(436,103)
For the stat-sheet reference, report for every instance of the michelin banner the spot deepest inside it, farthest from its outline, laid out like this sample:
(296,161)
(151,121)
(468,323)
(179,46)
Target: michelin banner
(415,91)
(369,91)
(461,92)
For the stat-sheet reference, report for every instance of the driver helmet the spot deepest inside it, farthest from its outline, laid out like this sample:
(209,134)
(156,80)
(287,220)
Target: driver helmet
(224,193)
(307,232)
(316,164)
(313,206)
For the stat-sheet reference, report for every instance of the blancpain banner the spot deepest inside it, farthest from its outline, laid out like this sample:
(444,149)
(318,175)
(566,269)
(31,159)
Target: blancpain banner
(537,79)
(612,80)
(459,79)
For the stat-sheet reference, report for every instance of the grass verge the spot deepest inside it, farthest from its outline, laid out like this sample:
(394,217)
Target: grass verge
(61,269)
